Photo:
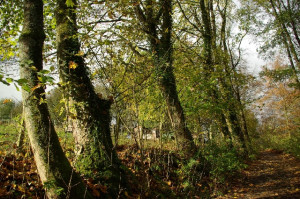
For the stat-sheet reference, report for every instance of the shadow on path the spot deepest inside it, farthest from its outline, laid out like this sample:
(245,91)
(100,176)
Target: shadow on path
(273,175)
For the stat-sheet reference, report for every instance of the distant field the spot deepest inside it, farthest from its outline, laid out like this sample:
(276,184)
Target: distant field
(8,135)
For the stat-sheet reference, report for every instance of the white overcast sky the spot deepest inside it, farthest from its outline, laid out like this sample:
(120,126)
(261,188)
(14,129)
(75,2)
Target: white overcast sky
(251,56)
(9,92)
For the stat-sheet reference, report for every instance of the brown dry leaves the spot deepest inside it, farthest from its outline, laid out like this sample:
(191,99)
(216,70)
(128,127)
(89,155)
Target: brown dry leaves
(18,178)
(273,174)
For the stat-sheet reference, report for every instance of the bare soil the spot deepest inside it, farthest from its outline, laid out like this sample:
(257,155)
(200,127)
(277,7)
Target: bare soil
(273,174)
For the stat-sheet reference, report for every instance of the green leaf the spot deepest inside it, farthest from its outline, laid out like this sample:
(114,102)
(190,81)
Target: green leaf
(22,81)
(17,88)
(26,87)
(43,72)
(70,3)
(9,80)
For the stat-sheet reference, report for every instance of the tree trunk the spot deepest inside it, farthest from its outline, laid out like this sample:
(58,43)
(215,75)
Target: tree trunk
(95,154)
(162,50)
(117,129)
(20,141)
(286,35)
(243,116)
(55,171)
(292,23)
(209,48)
(286,39)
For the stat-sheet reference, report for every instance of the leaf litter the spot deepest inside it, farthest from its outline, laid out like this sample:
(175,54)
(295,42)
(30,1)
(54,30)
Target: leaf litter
(273,175)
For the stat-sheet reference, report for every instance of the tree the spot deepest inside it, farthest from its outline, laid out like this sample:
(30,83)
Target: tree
(89,112)
(6,108)
(208,25)
(278,20)
(279,109)
(280,102)
(153,15)
(9,27)
(56,173)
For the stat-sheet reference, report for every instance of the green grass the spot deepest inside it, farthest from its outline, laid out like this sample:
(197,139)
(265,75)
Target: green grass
(8,135)
(283,142)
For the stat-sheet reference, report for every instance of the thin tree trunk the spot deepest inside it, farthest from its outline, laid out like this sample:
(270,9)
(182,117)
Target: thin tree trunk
(168,84)
(243,116)
(293,25)
(117,129)
(20,141)
(163,51)
(294,70)
(213,24)
(90,113)
(286,35)
(209,47)
(55,171)
(227,85)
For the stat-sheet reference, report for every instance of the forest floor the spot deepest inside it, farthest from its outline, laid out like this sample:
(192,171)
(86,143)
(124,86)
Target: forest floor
(273,174)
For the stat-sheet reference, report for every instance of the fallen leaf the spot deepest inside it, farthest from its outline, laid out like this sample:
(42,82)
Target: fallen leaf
(96,193)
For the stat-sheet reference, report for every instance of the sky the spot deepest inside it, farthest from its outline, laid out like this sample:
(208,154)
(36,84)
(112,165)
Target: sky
(251,56)
(9,92)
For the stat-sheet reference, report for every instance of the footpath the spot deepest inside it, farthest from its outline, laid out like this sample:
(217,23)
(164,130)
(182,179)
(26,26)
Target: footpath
(273,175)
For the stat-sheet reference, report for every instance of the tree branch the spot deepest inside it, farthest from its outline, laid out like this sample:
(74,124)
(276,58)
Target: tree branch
(106,21)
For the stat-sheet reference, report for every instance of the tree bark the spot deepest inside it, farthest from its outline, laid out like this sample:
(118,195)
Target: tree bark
(20,141)
(55,171)
(293,23)
(228,119)
(162,50)
(286,35)
(209,49)
(90,113)
(288,43)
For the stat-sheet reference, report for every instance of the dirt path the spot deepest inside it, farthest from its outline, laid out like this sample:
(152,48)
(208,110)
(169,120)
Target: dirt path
(273,175)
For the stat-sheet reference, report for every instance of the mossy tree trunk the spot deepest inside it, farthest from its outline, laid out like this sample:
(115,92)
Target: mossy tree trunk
(162,49)
(227,86)
(286,37)
(56,173)
(21,136)
(210,48)
(90,114)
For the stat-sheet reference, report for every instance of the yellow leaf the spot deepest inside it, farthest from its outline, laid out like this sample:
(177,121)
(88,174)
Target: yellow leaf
(169,182)
(20,188)
(11,54)
(37,86)
(33,68)
(80,53)
(6,101)
(126,194)
(72,65)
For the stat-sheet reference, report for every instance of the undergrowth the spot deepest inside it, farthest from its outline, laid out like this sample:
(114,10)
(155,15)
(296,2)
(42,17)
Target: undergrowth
(156,172)
(284,142)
